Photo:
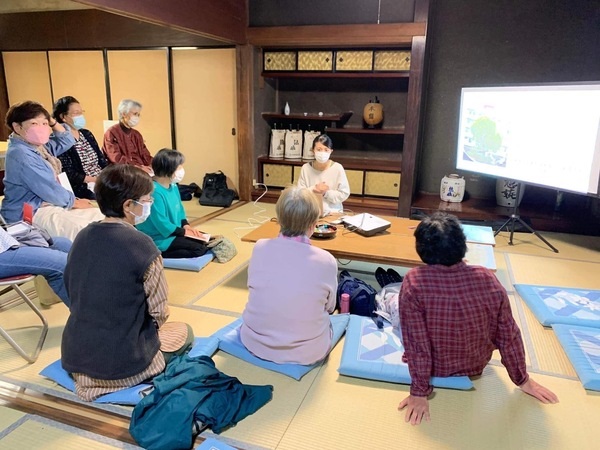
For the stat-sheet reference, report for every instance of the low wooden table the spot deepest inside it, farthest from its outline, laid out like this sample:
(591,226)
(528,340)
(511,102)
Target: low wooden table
(395,246)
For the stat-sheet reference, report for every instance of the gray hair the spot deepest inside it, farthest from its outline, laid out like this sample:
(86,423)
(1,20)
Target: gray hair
(127,105)
(297,210)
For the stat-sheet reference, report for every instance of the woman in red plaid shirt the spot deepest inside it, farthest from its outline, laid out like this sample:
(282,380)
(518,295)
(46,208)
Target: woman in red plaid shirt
(453,316)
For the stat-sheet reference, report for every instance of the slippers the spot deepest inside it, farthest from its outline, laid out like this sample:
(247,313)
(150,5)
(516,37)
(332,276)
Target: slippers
(382,277)
(394,276)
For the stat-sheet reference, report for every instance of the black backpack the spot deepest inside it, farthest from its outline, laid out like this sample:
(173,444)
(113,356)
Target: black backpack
(362,295)
(215,191)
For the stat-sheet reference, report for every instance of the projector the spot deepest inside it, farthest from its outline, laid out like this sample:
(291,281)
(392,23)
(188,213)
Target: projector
(366,224)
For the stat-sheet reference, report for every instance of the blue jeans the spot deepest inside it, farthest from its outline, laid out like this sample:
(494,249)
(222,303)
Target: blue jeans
(48,262)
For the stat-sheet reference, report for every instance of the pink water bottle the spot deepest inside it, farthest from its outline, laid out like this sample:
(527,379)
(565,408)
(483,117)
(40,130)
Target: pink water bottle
(345,304)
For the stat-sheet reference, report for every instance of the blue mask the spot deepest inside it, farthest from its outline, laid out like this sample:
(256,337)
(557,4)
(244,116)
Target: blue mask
(79,122)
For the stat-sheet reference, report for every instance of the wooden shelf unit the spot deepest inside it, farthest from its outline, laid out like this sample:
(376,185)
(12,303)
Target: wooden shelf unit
(395,145)
(275,74)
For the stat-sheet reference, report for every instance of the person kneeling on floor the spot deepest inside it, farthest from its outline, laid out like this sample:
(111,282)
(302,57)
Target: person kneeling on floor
(453,316)
(117,334)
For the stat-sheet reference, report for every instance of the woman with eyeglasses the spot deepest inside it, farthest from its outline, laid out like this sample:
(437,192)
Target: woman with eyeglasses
(33,170)
(167,225)
(117,334)
(83,162)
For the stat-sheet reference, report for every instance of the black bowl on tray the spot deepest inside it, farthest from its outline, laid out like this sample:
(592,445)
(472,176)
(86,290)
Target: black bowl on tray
(324,231)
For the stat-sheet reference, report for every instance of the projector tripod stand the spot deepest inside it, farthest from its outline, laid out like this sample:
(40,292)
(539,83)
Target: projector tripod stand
(514,217)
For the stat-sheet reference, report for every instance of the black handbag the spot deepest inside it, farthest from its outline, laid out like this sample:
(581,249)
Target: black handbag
(215,191)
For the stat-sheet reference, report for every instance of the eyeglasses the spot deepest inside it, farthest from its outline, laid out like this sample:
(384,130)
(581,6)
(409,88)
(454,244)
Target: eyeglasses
(145,200)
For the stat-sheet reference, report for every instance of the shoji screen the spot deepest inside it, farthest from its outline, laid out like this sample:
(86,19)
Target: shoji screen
(142,75)
(204,94)
(81,75)
(27,77)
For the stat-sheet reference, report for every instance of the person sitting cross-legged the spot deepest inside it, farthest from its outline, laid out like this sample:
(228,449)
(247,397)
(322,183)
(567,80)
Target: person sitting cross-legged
(453,316)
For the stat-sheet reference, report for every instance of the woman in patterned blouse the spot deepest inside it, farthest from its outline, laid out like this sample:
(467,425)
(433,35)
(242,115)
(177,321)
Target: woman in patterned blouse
(83,162)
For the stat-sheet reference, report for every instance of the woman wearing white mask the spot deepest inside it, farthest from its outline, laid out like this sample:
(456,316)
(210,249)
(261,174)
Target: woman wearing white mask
(117,334)
(123,144)
(83,162)
(325,177)
(32,171)
(167,224)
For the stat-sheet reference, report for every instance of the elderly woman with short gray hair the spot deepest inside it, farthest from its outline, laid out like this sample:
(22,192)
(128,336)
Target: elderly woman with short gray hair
(123,144)
(292,287)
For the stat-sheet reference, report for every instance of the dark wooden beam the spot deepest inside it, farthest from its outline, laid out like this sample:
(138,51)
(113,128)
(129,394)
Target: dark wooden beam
(413,126)
(245,119)
(4,131)
(89,29)
(382,35)
(224,20)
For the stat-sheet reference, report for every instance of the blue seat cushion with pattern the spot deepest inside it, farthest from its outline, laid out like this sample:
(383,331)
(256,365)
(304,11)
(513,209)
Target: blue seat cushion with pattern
(582,346)
(230,342)
(376,354)
(132,395)
(568,306)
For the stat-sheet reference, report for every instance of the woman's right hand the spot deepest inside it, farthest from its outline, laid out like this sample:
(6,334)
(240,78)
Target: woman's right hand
(82,203)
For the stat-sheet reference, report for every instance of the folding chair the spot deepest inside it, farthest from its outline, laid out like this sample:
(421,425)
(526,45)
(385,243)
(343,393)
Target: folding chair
(15,283)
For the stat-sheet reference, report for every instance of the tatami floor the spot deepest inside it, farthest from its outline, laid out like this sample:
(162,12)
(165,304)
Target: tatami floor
(325,410)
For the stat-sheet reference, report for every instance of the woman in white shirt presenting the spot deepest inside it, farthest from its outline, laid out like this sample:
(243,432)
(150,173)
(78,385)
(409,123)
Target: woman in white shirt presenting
(325,177)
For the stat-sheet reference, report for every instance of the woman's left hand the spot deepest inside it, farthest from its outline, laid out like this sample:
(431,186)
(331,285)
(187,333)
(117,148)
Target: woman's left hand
(192,231)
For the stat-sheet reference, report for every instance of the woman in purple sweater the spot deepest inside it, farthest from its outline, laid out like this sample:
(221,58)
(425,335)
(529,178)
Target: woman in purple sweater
(292,287)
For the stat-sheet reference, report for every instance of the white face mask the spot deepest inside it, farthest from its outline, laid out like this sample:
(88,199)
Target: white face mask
(322,157)
(146,209)
(133,121)
(178,175)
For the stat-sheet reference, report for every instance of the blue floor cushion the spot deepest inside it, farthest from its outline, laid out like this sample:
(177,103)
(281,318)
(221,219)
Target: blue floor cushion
(582,346)
(193,264)
(214,444)
(568,306)
(376,354)
(130,396)
(229,342)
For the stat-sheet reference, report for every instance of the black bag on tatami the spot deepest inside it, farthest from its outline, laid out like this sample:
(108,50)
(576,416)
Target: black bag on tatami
(215,191)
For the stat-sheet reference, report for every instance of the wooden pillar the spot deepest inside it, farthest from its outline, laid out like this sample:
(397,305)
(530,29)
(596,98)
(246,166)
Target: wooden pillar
(245,118)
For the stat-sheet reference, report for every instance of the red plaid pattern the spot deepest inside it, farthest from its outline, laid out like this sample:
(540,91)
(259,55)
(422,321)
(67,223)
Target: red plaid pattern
(452,319)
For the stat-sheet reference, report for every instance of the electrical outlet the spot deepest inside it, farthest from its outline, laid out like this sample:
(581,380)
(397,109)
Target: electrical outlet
(254,183)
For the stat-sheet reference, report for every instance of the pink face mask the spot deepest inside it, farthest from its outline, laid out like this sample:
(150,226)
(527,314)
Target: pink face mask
(37,134)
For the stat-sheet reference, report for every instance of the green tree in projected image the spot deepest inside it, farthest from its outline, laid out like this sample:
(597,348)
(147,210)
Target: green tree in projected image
(488,143)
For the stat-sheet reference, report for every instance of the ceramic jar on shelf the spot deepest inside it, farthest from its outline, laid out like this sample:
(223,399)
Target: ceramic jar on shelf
(452,188)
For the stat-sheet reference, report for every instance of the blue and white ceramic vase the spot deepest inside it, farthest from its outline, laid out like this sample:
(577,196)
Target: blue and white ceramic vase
(452,188)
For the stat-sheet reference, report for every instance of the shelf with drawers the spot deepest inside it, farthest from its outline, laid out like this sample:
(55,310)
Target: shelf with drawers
(340,68)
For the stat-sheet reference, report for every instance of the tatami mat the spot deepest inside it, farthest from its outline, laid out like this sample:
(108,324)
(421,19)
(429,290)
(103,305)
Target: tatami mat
(230,296)
(563,272)
(32,432)
(329,411)
(194,210)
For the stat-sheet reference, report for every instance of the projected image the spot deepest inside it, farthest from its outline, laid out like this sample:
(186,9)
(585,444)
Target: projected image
(482,141)
(548,135)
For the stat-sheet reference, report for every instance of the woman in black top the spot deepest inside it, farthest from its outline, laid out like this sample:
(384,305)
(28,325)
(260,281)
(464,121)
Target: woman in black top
(83,162)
